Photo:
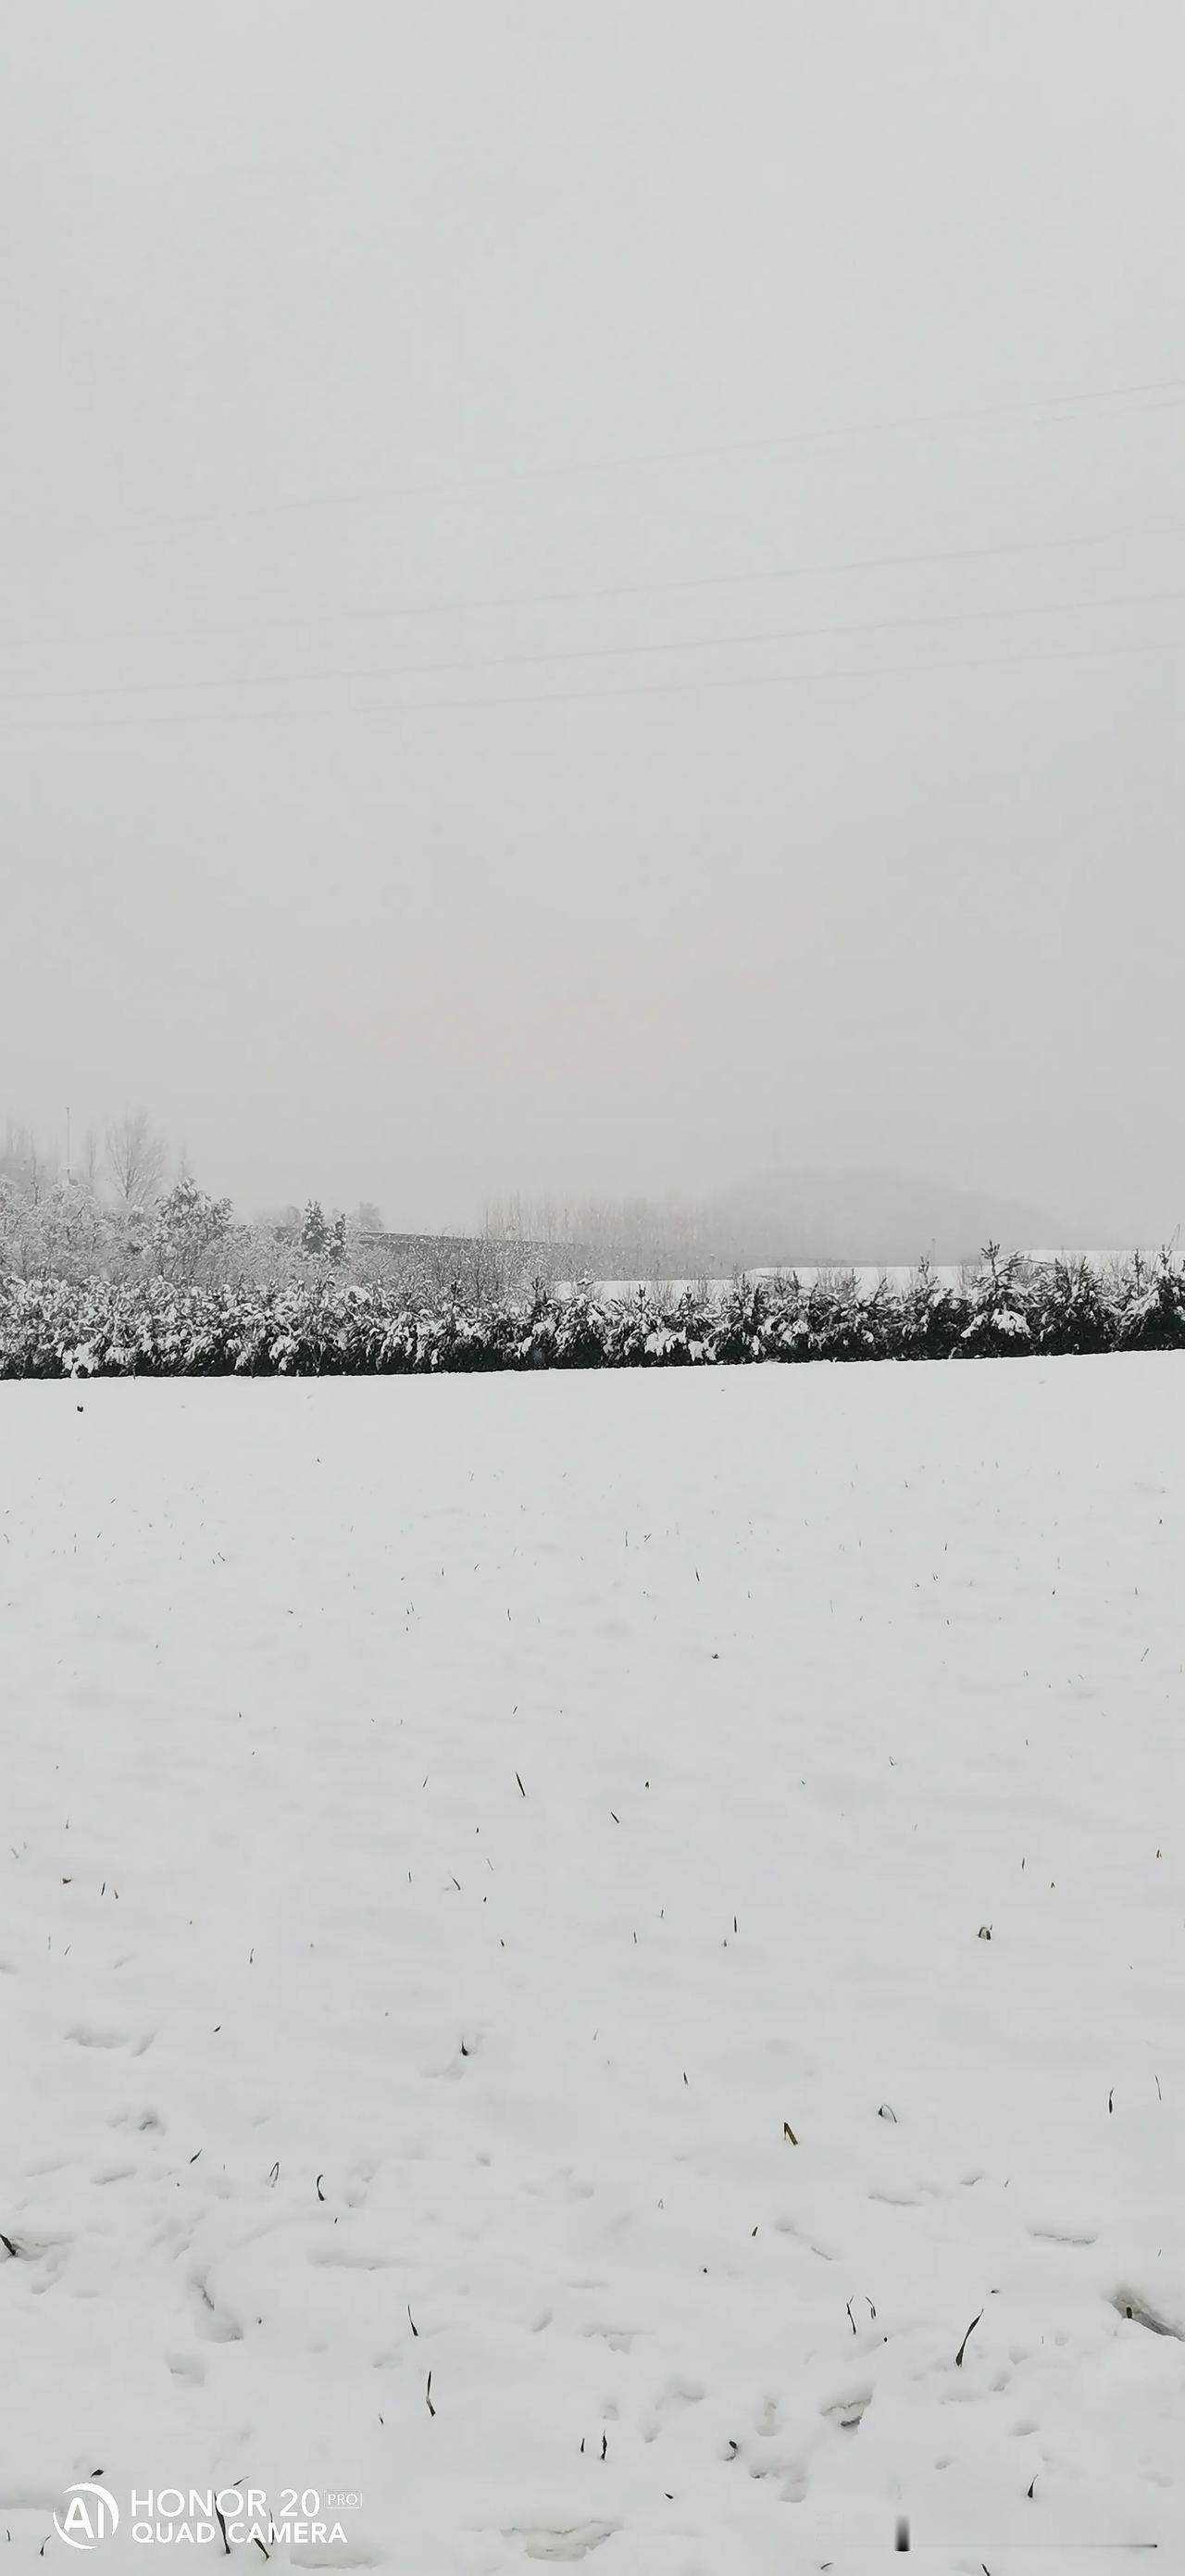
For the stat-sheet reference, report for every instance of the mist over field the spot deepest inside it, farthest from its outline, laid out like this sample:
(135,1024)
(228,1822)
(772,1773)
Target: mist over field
(776,1217)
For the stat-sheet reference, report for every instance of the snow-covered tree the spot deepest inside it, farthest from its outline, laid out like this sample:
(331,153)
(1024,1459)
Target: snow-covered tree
(189,1229)
(320,1238)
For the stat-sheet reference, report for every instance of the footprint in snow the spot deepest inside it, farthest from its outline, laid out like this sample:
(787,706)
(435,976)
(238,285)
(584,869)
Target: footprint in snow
(849,2407)
(85,2035)
(681,2392)
(561,2541)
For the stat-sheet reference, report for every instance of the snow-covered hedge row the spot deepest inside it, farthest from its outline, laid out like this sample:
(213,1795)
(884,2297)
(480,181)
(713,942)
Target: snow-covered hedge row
(326,1326)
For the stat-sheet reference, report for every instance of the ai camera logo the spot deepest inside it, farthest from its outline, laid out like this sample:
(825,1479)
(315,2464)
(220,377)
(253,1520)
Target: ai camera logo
(91,2515)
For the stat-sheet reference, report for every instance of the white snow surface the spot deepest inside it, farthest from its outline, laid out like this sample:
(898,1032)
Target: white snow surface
(316,2024)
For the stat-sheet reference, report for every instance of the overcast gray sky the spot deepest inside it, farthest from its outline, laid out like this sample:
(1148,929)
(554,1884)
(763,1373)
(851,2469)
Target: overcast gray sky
(594,587)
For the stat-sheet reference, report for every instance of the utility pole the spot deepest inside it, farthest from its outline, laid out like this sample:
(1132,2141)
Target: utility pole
(68,1174)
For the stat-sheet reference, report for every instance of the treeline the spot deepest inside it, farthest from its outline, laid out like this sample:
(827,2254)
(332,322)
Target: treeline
(128,1211)
(127,1204)
(324,1324)
(186,1238)
(125,1168)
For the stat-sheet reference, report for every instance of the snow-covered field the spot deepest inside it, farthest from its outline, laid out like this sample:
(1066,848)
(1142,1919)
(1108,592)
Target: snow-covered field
(456,1831)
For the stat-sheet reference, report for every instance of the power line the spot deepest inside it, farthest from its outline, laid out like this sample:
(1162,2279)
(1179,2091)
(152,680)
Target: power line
(670,586)
(687,582)
(1061,406)
(786,679)
(581,697)
(601,652)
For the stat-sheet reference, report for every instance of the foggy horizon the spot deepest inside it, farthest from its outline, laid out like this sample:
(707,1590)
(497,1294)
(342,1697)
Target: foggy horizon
(770,1213)
(593,599)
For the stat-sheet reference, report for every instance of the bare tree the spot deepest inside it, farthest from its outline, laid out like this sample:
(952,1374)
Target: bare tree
(137,1159)
(21,1160)
(25,1165)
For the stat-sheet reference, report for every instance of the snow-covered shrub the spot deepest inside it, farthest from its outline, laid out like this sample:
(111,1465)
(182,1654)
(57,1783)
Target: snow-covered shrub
(927,1318)
(1151,1302)
(304,1317)
(1071,1309)
(998,1306)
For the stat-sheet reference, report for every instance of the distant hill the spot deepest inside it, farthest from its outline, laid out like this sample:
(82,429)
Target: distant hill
(784,1217)
(819,1218)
